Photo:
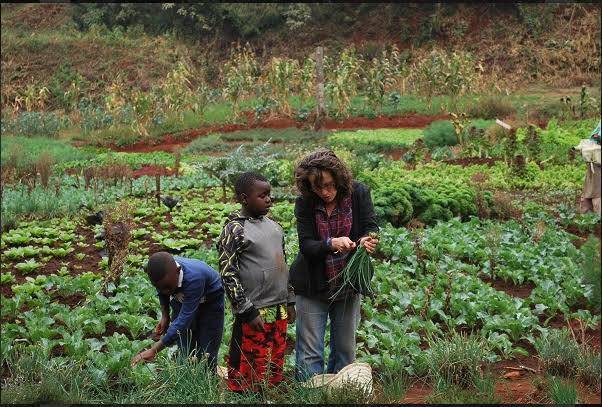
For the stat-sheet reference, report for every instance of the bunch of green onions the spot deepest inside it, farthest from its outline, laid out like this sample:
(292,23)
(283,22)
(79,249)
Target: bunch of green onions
(358,272)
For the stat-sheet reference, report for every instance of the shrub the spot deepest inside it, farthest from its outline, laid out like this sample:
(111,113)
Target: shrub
(440,133)
(393,204)
(491,107)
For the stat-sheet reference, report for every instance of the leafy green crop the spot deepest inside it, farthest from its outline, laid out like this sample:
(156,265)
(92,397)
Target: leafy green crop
(28,266)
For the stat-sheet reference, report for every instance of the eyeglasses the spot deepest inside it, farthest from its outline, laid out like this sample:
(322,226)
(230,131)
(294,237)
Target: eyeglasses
(331,186)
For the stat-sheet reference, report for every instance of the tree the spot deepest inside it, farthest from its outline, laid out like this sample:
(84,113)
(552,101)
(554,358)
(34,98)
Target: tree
(227,168)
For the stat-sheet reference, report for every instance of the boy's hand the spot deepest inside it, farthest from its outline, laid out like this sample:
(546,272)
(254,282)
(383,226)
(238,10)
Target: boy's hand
(162,325)
(147,355)
(369,243)
(257,324)
(292,314)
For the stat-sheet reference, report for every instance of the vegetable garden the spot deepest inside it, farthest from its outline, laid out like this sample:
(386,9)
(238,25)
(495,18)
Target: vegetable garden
(486,280)
(478,253)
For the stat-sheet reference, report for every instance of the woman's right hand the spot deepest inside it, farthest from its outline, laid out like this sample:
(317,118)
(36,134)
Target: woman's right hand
(342,244)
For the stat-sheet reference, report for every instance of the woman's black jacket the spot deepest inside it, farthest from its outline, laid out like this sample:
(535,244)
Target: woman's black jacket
(307,273)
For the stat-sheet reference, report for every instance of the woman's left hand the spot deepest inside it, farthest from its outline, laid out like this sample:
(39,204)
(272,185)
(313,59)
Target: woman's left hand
(369,243)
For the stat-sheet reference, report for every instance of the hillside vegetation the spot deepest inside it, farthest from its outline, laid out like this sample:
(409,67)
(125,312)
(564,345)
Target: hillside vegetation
(54,45)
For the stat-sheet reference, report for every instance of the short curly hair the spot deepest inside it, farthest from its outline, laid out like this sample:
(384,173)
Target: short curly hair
(316,162)
(245,182)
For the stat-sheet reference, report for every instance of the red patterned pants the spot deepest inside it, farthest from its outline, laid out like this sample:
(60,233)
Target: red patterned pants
(256,357)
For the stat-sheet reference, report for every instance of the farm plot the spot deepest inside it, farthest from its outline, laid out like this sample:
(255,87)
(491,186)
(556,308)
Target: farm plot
(487,261)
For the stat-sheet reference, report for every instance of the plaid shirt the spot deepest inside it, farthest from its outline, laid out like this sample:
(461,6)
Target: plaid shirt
(337,225)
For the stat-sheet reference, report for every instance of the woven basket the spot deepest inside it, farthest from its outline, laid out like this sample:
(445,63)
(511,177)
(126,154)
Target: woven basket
(358,374)
(222,372)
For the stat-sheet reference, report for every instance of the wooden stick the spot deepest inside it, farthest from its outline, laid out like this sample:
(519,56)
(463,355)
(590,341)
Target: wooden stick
(521,367)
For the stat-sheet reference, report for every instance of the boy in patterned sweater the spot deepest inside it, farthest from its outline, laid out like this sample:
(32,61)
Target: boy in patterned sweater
(255,278)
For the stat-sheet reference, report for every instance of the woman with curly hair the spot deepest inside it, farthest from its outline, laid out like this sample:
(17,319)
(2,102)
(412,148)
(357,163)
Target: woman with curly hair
(334,216)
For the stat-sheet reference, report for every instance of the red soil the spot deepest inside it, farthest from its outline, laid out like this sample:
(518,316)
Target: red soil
(169,143)
(417,393)
(396,154)
(518,291)
(72,301)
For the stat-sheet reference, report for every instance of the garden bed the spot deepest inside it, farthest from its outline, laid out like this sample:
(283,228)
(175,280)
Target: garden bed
(171,142)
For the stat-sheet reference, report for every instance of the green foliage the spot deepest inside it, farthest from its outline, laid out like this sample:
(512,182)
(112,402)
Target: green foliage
(440,72)
(589,367)
(227,168)
(591,268)
(209,143)
(536,17)
(456,361)
(380,140)
(35,124)
(380,76)
(562,391)
(558,351)
(358,273)
(392,204)
(440,133)
(342,82)
(32,148)
(240,73)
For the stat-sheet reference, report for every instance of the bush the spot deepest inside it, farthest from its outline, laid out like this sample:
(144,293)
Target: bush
(440,133)
(393,204)
(491,107)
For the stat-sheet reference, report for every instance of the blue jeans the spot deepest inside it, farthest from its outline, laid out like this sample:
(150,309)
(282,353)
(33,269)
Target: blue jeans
(204,334)
(312,315)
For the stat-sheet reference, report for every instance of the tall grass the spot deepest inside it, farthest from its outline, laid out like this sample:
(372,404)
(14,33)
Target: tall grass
(32,378)
(558,352)
(456,361)
(561,391)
